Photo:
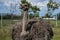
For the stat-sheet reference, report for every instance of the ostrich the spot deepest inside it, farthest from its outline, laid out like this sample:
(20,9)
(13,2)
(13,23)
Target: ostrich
(32,29)
(19,29)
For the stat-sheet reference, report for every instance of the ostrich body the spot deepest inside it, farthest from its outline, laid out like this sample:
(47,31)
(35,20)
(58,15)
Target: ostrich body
(33,29)
(36,29)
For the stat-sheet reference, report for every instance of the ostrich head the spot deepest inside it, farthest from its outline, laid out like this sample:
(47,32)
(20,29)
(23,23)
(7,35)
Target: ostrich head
(24,7)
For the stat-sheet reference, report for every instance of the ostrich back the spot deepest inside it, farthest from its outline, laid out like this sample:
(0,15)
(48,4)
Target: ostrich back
(39,29)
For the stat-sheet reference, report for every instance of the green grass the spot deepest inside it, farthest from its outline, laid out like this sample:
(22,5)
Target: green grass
(5,30)
(56,33)
(53,23)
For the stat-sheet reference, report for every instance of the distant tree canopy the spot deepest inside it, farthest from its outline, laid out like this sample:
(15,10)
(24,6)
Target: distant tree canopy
(47,15)
(8,16)
(31,16)
(58,16)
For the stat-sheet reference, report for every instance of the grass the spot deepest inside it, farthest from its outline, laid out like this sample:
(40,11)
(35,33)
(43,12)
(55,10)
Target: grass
(5,30)
(56,33)
(53,23)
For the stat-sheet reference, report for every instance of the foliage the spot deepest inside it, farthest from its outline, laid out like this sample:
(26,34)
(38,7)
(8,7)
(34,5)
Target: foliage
(8,16)
(58,16)
(31,15)
(52,5)
(35,9)
(48,15)
(36,14)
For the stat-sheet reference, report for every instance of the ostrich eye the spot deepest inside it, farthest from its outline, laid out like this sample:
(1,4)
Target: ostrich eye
(25,5)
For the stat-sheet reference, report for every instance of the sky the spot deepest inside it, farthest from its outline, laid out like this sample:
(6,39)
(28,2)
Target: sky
(5,6)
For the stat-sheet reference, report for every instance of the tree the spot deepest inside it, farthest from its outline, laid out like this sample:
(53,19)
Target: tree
(52,5)
(47,15)
(35,9)
(31,15)
(58,16)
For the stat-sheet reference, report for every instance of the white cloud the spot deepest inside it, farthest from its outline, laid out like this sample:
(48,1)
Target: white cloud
(9,3)
(35,2)
(42,5)
(0,0)
(39,4)
(58,1)
(12,3)
(4,0)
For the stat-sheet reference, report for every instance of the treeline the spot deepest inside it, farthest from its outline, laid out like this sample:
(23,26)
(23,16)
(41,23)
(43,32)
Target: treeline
(9,16)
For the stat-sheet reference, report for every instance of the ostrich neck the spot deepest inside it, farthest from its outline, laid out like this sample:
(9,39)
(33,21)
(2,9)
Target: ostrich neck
(25,19)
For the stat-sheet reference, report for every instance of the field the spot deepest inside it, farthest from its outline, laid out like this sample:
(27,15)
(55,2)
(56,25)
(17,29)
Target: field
(5,30)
